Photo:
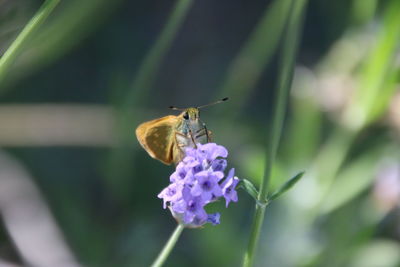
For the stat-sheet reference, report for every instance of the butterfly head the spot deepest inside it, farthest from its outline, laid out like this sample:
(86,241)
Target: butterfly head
(191,114)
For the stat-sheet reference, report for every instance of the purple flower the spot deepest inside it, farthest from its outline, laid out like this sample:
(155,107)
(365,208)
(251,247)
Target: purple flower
(219,165)
(209,151)
(215,151)
(197,181)
(228,187)
(180,174)
(194,208)
(171,193)
(207,185)
(214,218)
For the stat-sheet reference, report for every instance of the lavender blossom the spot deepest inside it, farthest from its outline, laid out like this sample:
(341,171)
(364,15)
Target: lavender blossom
(206,185)
(197,181)
(228,187)
(213,218)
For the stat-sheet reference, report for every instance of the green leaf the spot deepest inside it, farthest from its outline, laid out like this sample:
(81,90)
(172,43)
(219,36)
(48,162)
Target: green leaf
(249,188)
(353,180)
(286,186)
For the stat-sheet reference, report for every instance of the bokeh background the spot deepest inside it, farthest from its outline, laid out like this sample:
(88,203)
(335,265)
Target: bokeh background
(76,189)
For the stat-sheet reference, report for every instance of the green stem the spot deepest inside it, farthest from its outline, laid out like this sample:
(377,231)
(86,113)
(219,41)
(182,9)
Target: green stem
(254,236)
(15,48)
(168,247)
(289,50)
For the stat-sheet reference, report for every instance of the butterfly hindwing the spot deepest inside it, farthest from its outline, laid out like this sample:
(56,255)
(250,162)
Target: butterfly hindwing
(157,137)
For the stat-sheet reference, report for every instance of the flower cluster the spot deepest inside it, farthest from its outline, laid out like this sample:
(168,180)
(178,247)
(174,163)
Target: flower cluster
(197,181)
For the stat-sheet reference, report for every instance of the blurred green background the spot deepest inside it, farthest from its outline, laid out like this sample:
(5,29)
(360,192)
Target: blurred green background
(76,189)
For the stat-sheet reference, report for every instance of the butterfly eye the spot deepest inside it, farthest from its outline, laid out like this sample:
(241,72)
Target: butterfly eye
(186,116)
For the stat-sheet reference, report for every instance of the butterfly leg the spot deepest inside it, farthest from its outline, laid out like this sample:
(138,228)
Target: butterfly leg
(191,137)
(204,132)
(207,133)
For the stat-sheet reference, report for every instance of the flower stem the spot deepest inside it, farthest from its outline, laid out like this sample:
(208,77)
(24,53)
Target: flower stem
(15,48)
(289,50)
(168,247)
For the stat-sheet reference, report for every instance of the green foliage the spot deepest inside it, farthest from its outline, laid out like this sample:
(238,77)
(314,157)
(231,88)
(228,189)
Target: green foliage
(249,188)
(286,186)
(20,42)
(135,58)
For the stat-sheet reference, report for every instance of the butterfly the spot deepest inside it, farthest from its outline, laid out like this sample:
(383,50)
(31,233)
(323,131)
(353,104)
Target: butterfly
(166,138)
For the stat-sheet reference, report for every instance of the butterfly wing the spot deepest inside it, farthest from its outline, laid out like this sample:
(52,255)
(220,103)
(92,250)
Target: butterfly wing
(157,137)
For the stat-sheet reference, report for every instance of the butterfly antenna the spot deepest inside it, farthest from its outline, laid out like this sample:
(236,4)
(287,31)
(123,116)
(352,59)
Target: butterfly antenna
(216,102)
(175,108)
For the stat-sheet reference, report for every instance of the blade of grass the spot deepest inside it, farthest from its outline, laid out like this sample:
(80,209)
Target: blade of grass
(371,100)
(120,160)
(246,69)
(144,78)
(375,72)
(62,34)
(289,51)
(17,46)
